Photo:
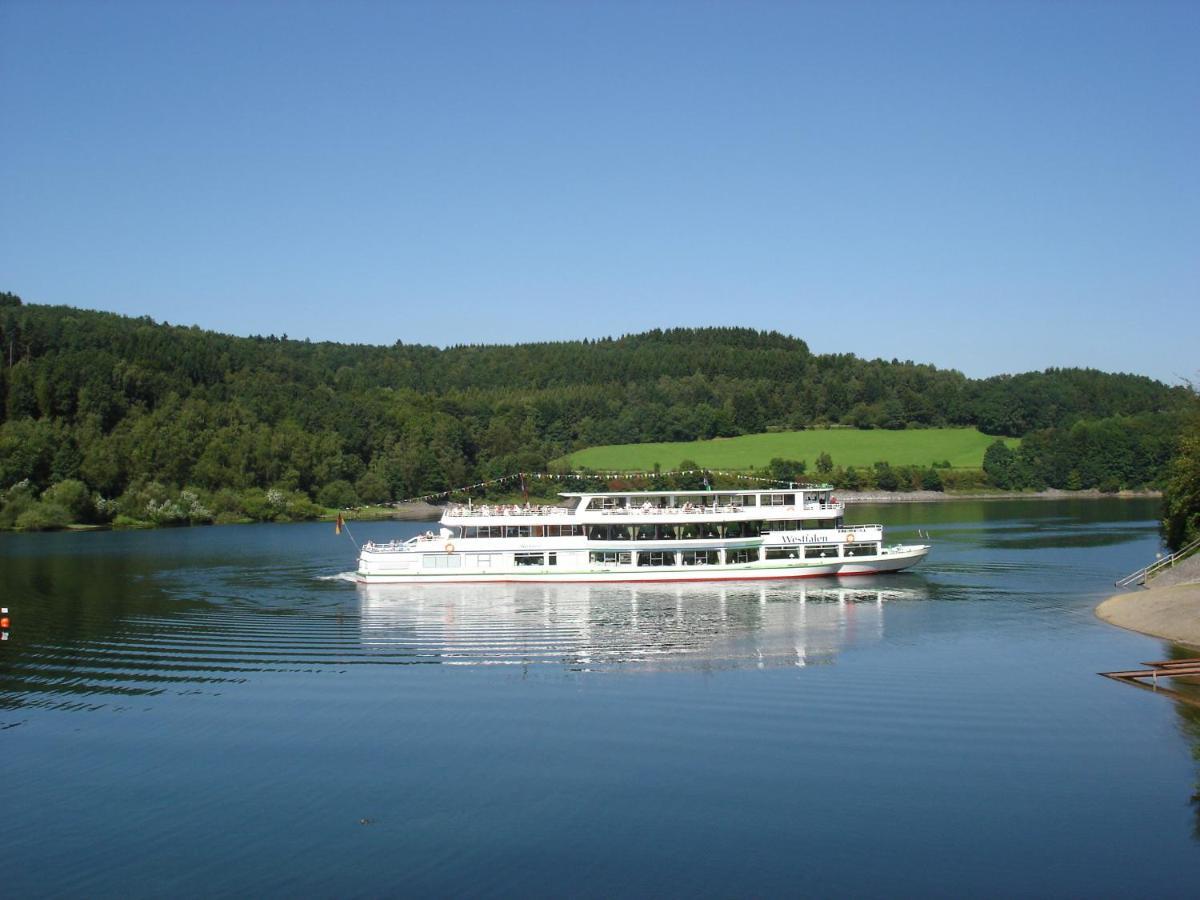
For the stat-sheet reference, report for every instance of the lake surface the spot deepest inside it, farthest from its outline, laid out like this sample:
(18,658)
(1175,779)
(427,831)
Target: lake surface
(218,711)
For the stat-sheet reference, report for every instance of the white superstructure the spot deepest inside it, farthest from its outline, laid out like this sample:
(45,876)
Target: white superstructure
(643,536)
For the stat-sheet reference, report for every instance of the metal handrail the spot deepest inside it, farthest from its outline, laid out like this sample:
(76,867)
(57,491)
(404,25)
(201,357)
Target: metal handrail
(1142,575)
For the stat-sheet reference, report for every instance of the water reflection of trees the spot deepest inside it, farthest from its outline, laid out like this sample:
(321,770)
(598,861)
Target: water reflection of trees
(1189,722)
(1188,710)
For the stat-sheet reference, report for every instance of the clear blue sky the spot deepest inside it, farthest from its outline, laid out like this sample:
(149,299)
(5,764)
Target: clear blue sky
(987,186)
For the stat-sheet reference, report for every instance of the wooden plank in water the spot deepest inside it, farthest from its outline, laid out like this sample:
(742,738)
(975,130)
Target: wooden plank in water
(1171,663)
(1177,672)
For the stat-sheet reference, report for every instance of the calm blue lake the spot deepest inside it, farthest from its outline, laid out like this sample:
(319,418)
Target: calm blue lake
(216,711)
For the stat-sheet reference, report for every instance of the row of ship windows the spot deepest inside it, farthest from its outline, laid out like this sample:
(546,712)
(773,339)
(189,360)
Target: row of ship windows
(684,532)
(657,557)
(732,557)
(623,502)
(455,560)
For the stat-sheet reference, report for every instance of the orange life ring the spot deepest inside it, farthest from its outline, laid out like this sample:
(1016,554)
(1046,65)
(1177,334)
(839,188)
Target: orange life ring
(449,548)
(850,538)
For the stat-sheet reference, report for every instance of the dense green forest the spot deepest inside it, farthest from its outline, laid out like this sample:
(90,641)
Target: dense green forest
(141,416)
(1181,486)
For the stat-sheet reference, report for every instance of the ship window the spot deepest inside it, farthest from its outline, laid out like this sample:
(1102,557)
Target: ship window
(612,557)
(665,532)
(783,553)
(751,529)
(820,551)
(656,558)
(442,561)
(699,558)
(552,559)
(745,555)
(690,531)
(529,559)
(733,530)
(781,525)
(483,559)
(861,549)
(645,533)
(748,500)
(711,529)
(779,500)
(470,531)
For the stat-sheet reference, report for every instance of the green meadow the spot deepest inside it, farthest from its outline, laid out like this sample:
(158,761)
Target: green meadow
(963,448)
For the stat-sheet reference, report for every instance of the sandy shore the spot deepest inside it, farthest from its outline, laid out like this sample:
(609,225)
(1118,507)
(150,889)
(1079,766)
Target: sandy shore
(1172,613)
(1168,607)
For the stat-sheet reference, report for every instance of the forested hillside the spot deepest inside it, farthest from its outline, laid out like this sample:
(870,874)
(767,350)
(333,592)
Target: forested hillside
(117,403)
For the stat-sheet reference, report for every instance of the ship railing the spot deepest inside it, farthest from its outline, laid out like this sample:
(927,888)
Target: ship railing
(690,509)
(400,546)
(502,510)
(386,547)
(687,509)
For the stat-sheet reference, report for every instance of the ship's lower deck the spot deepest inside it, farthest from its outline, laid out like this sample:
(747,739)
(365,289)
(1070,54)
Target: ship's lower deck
(375,569)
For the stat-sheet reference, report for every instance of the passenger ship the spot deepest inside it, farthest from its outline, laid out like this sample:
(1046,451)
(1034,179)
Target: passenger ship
(642,536)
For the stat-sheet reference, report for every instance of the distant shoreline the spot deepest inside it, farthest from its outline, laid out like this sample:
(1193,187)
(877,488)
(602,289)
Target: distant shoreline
(428,512)
(853,497)
(422,512)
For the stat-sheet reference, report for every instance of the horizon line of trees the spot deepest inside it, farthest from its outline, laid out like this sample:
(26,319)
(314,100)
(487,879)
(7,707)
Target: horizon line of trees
(119,404)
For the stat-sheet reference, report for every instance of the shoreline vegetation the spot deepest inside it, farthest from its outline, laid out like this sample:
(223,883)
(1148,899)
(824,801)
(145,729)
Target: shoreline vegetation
(111,420)
(421,511)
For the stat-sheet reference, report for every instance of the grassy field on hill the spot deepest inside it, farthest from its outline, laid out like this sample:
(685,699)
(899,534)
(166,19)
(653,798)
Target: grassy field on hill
(962,447)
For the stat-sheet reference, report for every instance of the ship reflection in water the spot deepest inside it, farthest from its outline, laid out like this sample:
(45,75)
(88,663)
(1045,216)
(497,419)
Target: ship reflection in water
(589,626)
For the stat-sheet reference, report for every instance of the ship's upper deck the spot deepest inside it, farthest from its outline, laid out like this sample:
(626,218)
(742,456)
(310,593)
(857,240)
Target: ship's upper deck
(812,502)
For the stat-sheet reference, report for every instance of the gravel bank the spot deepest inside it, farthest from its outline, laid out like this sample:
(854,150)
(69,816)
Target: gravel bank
(1168,608)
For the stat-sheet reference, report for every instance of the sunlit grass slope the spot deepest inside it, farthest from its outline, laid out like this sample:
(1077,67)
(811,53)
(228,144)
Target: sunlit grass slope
(962,447)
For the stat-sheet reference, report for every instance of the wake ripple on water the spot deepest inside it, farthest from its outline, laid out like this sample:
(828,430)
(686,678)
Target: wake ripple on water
(349,577)
(226,641)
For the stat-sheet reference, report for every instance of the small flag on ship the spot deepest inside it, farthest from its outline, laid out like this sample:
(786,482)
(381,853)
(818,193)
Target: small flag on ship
(338,524)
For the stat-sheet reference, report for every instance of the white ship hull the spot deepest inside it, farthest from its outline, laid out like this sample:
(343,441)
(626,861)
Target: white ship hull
(894,561)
